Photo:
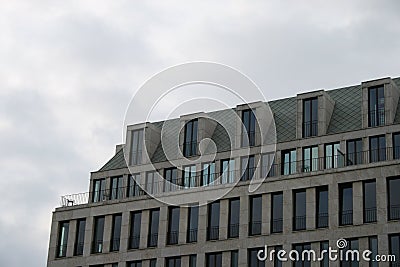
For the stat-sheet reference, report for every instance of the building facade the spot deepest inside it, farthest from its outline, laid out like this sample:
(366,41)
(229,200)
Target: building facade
(335,174)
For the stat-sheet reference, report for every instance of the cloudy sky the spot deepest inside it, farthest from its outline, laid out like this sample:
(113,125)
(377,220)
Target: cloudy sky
(69,68)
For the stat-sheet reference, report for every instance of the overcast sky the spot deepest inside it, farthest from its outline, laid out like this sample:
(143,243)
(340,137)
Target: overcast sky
(69,68)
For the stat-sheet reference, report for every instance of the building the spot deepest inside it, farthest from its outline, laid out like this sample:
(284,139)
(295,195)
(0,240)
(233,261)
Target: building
(335,174)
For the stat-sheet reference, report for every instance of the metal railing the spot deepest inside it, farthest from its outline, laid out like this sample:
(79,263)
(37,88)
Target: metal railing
(172,237)
(190,148)
(299,223)
(255,228)
(376,117)
(277,226)
(213,233)
(134,242)
(322,220)
(115,242)
(233,230)
(346,217)
(192,235)
(370,215)
(152,240)
(394,212)
(310,128)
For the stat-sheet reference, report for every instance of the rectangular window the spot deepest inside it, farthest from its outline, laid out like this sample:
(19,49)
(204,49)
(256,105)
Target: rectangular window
(173,262)
(98,233)
(277,213)
(99,187)
(193,224)
(153,228)
(116,232)
(213,221)
(80,236)
(153,263)
(189,176)
(134,264)
(310,117)
(333,156)
(136,147)
(249,128)
(255,215)
(116,187)
(376,106)
(171,179)
(324,246)
(133,185)
(310,159)
(62,239)
(394,198)
(247,168)
(192,261)
(289,162)
(234,258)
(214,259)
(253,260)
(345,204)
(396,146)
(208,173)
(369,190)
(277,262)
(354,152)
(134,233)
(322,207)
(299,209)
(227,171)
(306,262)
(268,167)
(373,247)
(349,261)
(394,247)
(173,225)
(152,182)
(377,148)
(190,143)
(233,223)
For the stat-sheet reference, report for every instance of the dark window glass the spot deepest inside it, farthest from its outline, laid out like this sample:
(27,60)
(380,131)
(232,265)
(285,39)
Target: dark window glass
(190,143)
(134,238)
(227,171)
(133,185)
(300,248)
(173,262)
(394,198)
(376,106)
(214,260)
(334,158)
(369,188)
(354,152)
(234,258)
(277,262)
(268,166)
(373,247)
(396,146)
(310,117)
(289,162)
(324,246)
(114,264)
(322,207)
(99,187)
(116,187)
(255,215)
(299,210)
(346,204)
(98,235)
(249,128)
(394,247)
(193,222)
(80,236)
(348,260)
(189,176)
(152,182)
(62,239)
(136,147)
(134,264)
(277,213)
(234,215)
(116,232)
(247,165)
(192,261)
(213,221)
(153,228)
(377,148)
(171,179)
(310,159)
(253,259)
(208,173)
(173,225)
(153,263)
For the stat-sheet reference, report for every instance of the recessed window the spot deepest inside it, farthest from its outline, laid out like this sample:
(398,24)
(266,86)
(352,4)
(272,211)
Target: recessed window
(289,161)
(189,176)
(299,210)
(80,236)
(310,117)
(192,261)
(214,259)
(249,128)
(377,148)
(373,247)
(153,228)
(333,157)
(299,262)
(134,232)
(277,213)
(136,147)
(98,233)
(171,179)
(173,225)
(62,239)
(346,204)
(310,159)
(116,232)
(133,185)
(193,224)
(247,168)
(134,264)
(393,198)
(99,187)
(376,106)
(268,167)
(213,221)
(227,171)
(190,143)
(208,173)
(253,260)
(233,222)
(153,263)
(173,262)
(324,245)
(116,187)
(234,258)
(394,247)
(152,183)
(352,244)
(396,146)
(369,188)
(255,215)
(322,207)
(354,152)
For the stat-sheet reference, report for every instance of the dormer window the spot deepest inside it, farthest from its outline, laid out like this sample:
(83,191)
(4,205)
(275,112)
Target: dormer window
(249,128)
(310,117)
(136,147)
(376,106)
(190,142)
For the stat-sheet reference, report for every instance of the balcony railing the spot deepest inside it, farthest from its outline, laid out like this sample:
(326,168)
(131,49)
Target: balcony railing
(376,117)
(299,223)
(134,242)
(322,220)
(370,215)
(192,235)
(346,217)
(213,233)
(152,240)
(394,212)
(255,228)
(233,230)
(172,238)
(277,226)
(310,128)
(115,244)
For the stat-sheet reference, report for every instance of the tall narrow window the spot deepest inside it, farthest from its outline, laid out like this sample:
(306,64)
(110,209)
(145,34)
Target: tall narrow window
(322,207)
(233,223)
(249,128)
(134,264)
(133,185)
(214,259)
(247,167)
(396,146)
(354,152)
(213,221)
(208,173)
(289,162)
(350,259)
(277,213)
(255,215)
(268,167)
(153,263)
(277,262)
(173,262)
(153,228)
(299,210)
(302,262)
(152,182)
(310,159)
(373,247)
(171,179)
(227,171)
(193,224)
(134,233)
(369,188)
(324,246)
(173,226)
(190,143)
(346,204)
(234,258)
(376,106)
(136,147)
(252,258)
(80,236)
(192,260)
(99,187)
(394,247)
(116,232)
(394,198)
(333,156)
(189,176)
(62,239)
(377,148)
(116,187)
(310,117)
(98,233)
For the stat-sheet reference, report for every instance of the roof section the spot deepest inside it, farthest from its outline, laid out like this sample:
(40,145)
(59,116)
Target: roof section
(116,162)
